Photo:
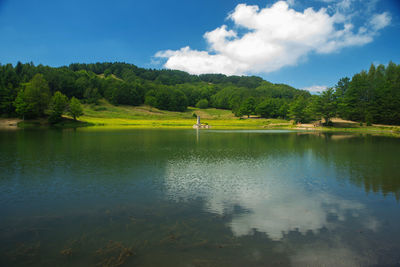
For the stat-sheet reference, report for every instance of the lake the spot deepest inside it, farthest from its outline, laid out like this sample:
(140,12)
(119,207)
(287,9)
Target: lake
(137,197)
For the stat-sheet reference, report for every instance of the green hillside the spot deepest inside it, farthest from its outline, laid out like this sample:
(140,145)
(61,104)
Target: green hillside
(32,92)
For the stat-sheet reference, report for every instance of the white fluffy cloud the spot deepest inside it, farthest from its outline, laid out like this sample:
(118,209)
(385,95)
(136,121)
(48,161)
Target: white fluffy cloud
(275,36)
(316,88)
(380,21)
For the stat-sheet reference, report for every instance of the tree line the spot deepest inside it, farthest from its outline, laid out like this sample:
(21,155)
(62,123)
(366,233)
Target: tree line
(126,84)
(371,96)
(32,91)
(34,100)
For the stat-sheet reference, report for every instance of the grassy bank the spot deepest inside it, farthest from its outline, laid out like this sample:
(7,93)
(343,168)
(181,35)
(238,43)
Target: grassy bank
(107,115)
(340,125)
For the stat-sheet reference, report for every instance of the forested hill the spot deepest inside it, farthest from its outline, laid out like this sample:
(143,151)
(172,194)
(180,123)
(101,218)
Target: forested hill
(127,84)
(30,91)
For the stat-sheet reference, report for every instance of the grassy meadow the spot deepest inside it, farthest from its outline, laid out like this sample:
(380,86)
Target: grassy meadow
(107,115)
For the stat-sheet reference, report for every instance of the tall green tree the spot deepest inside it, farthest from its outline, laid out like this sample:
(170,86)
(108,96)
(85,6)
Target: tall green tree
(151,99)
(299,110)
(75,108)
(325,105)
(125,94)
(58,105)
(179,102)
(22,107)
(37,92)
(34,99)
(248,107)
(272,108)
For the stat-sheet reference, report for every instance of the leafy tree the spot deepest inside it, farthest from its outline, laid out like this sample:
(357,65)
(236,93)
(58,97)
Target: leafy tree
(299,110)
(164,99)
(283,109)
(180,101)
(325,105)
(125,94)
(168,99)
(272,108)
(37,93)
(81,84)
(248,107)
(151,101)
(34,99)
(58,105)
(340,92)
(235,103)
(203,103)
(22,107)
(228,97)
(342,86)
(75,108)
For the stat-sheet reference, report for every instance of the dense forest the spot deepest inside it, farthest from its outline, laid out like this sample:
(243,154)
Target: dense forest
(31,91)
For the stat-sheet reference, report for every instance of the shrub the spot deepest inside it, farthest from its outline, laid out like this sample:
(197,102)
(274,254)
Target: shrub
(203,103)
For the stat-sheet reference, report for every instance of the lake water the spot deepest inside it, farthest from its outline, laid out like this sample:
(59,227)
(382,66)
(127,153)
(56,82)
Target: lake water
(91,197)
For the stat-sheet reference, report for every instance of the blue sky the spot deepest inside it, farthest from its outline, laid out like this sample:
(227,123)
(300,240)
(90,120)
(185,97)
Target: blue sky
(281,41)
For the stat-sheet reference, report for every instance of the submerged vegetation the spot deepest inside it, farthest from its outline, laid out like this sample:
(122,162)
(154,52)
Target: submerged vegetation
(33,92)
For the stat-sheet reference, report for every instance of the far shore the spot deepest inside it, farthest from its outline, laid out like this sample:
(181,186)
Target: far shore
(9,123)
(107,116)
(339,125)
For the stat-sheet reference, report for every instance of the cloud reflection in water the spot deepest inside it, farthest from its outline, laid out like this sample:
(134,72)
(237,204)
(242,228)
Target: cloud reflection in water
(268,196)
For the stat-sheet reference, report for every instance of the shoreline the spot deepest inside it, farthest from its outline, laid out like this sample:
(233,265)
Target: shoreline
(9,123)
(238,124)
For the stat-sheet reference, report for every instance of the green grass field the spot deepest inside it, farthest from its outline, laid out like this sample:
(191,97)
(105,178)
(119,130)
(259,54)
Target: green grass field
(107,115)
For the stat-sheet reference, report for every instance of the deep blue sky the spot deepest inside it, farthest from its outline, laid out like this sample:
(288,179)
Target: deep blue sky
(58,33)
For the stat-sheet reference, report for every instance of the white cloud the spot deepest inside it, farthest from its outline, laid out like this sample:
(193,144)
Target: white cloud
(275,36)
(316,88)
(198,62)
(345,4)
(290,2)
(380,21)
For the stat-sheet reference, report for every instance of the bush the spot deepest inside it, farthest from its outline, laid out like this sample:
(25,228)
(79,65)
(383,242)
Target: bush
(203,103)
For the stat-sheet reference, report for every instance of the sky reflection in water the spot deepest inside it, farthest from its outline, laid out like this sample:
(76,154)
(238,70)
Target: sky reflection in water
(226,198)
